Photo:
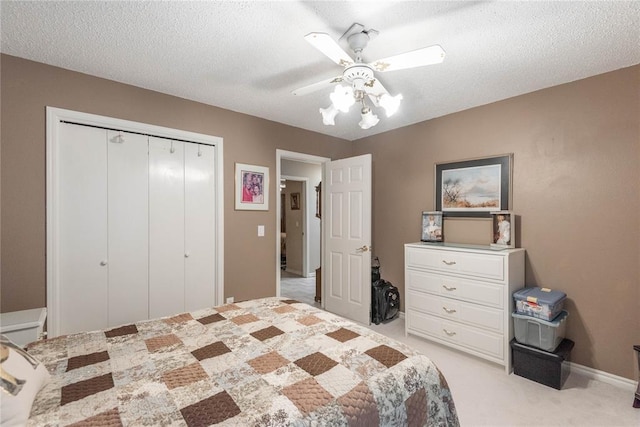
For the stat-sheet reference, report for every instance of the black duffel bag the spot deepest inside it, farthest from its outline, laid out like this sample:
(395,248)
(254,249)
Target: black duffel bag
(385,302)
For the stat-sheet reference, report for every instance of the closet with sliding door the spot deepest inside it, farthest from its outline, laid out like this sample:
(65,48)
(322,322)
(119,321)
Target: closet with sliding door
(134,227)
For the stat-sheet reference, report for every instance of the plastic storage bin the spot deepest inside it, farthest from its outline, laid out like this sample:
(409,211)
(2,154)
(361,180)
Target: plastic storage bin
(540,333)
(542,303)
(541,366)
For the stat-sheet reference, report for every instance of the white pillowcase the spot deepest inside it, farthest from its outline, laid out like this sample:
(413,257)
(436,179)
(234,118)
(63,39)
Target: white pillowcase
(16,402)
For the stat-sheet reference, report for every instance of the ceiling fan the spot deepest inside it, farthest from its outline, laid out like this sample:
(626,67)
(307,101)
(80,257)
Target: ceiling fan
(360,76)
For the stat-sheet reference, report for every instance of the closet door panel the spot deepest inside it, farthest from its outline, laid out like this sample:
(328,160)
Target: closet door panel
(128,218)
(82,228)
(200,207)
(166,227)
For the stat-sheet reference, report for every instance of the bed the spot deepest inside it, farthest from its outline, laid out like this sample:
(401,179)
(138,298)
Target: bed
(264,362)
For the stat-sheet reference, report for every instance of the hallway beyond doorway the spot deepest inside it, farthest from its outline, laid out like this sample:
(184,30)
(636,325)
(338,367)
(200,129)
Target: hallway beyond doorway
(300,288)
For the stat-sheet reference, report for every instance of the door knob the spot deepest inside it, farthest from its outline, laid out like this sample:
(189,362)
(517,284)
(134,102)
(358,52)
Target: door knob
(186,255)
(364,248)
(103,263)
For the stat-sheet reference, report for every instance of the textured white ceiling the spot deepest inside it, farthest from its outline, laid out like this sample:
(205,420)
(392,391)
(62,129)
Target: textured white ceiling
(248,56)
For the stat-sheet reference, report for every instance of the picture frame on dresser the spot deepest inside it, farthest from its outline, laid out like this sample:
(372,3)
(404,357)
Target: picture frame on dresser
(474,187)
(432,227)
(503,230)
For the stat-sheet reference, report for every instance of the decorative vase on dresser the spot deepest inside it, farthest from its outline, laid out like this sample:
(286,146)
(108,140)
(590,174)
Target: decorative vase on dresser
(461,296)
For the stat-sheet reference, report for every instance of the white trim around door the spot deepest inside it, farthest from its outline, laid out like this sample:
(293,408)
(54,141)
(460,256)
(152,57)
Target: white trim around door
(297,157)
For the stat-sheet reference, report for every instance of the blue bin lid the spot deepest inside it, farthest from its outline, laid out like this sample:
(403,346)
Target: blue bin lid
(553,323)
(540,295)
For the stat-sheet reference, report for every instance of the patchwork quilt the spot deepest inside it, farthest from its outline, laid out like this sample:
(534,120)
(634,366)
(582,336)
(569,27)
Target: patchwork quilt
(265,362)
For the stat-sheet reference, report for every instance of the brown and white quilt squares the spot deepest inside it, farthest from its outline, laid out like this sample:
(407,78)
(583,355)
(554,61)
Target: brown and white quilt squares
(81,389)
(316,363)
(307,395)
(343,334)
(262,362)
(268,362)
(213,318)
(186,375)
(212,350)
(121,331)
(162,343)
(212,410)
(267,333)
(386,355)
(87,359)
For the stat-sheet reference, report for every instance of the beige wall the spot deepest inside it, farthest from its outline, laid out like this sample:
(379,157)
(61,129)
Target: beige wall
(576,188)
(28,87)
(576,192)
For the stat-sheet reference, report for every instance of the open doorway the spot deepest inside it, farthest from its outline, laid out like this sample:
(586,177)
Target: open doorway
(298,225)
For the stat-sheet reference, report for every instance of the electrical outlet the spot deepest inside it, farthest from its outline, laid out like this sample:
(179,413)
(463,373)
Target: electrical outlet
(230,300)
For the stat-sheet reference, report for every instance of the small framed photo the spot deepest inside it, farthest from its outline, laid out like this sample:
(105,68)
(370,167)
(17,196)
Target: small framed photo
(252,187)
(503,229)
(432,227)
(295,201)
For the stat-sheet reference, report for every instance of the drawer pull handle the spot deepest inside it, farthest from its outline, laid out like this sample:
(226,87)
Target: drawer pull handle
(449,262)
(449,288)
(450,333)
(449,310)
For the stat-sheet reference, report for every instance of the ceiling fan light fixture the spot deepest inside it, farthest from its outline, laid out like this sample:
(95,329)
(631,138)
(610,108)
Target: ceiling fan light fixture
(342,98)
(390,103)
(368,119)
(329,115)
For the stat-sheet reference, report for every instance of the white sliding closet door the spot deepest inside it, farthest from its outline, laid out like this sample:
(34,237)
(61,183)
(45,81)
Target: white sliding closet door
(166,227)
(82,228)
(128,219)
(200,208)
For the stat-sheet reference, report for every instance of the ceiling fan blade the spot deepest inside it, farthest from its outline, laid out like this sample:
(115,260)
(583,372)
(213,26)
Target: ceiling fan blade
(325,44)
(416,58)
(317,86)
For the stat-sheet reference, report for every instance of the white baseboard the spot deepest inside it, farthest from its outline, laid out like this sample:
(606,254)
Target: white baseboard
(594,374)
(296,272)
(605,377)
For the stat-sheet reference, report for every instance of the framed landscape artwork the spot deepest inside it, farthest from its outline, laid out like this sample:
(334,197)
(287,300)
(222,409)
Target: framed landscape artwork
(474,188)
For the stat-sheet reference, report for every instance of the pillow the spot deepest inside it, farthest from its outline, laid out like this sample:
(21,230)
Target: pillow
(21,378)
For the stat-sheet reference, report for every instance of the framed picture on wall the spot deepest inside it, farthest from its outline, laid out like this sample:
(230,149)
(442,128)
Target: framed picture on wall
(474,188)
(432,229)
(252,187)
(503,229)
(295,201)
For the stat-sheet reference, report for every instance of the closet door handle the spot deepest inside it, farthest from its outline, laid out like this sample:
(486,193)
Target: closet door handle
(186,255)
(103,262)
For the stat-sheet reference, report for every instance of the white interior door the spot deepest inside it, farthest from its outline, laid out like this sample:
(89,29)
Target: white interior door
(346,268)
(128,219)
(200,235)
(166,227)
(82,228)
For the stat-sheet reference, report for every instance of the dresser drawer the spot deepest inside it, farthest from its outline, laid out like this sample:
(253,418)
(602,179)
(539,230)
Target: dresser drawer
(490,294)
(446,308)
(481,265)
(461,335)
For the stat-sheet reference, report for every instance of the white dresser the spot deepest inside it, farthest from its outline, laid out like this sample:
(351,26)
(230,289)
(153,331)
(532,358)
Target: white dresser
(461,296)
